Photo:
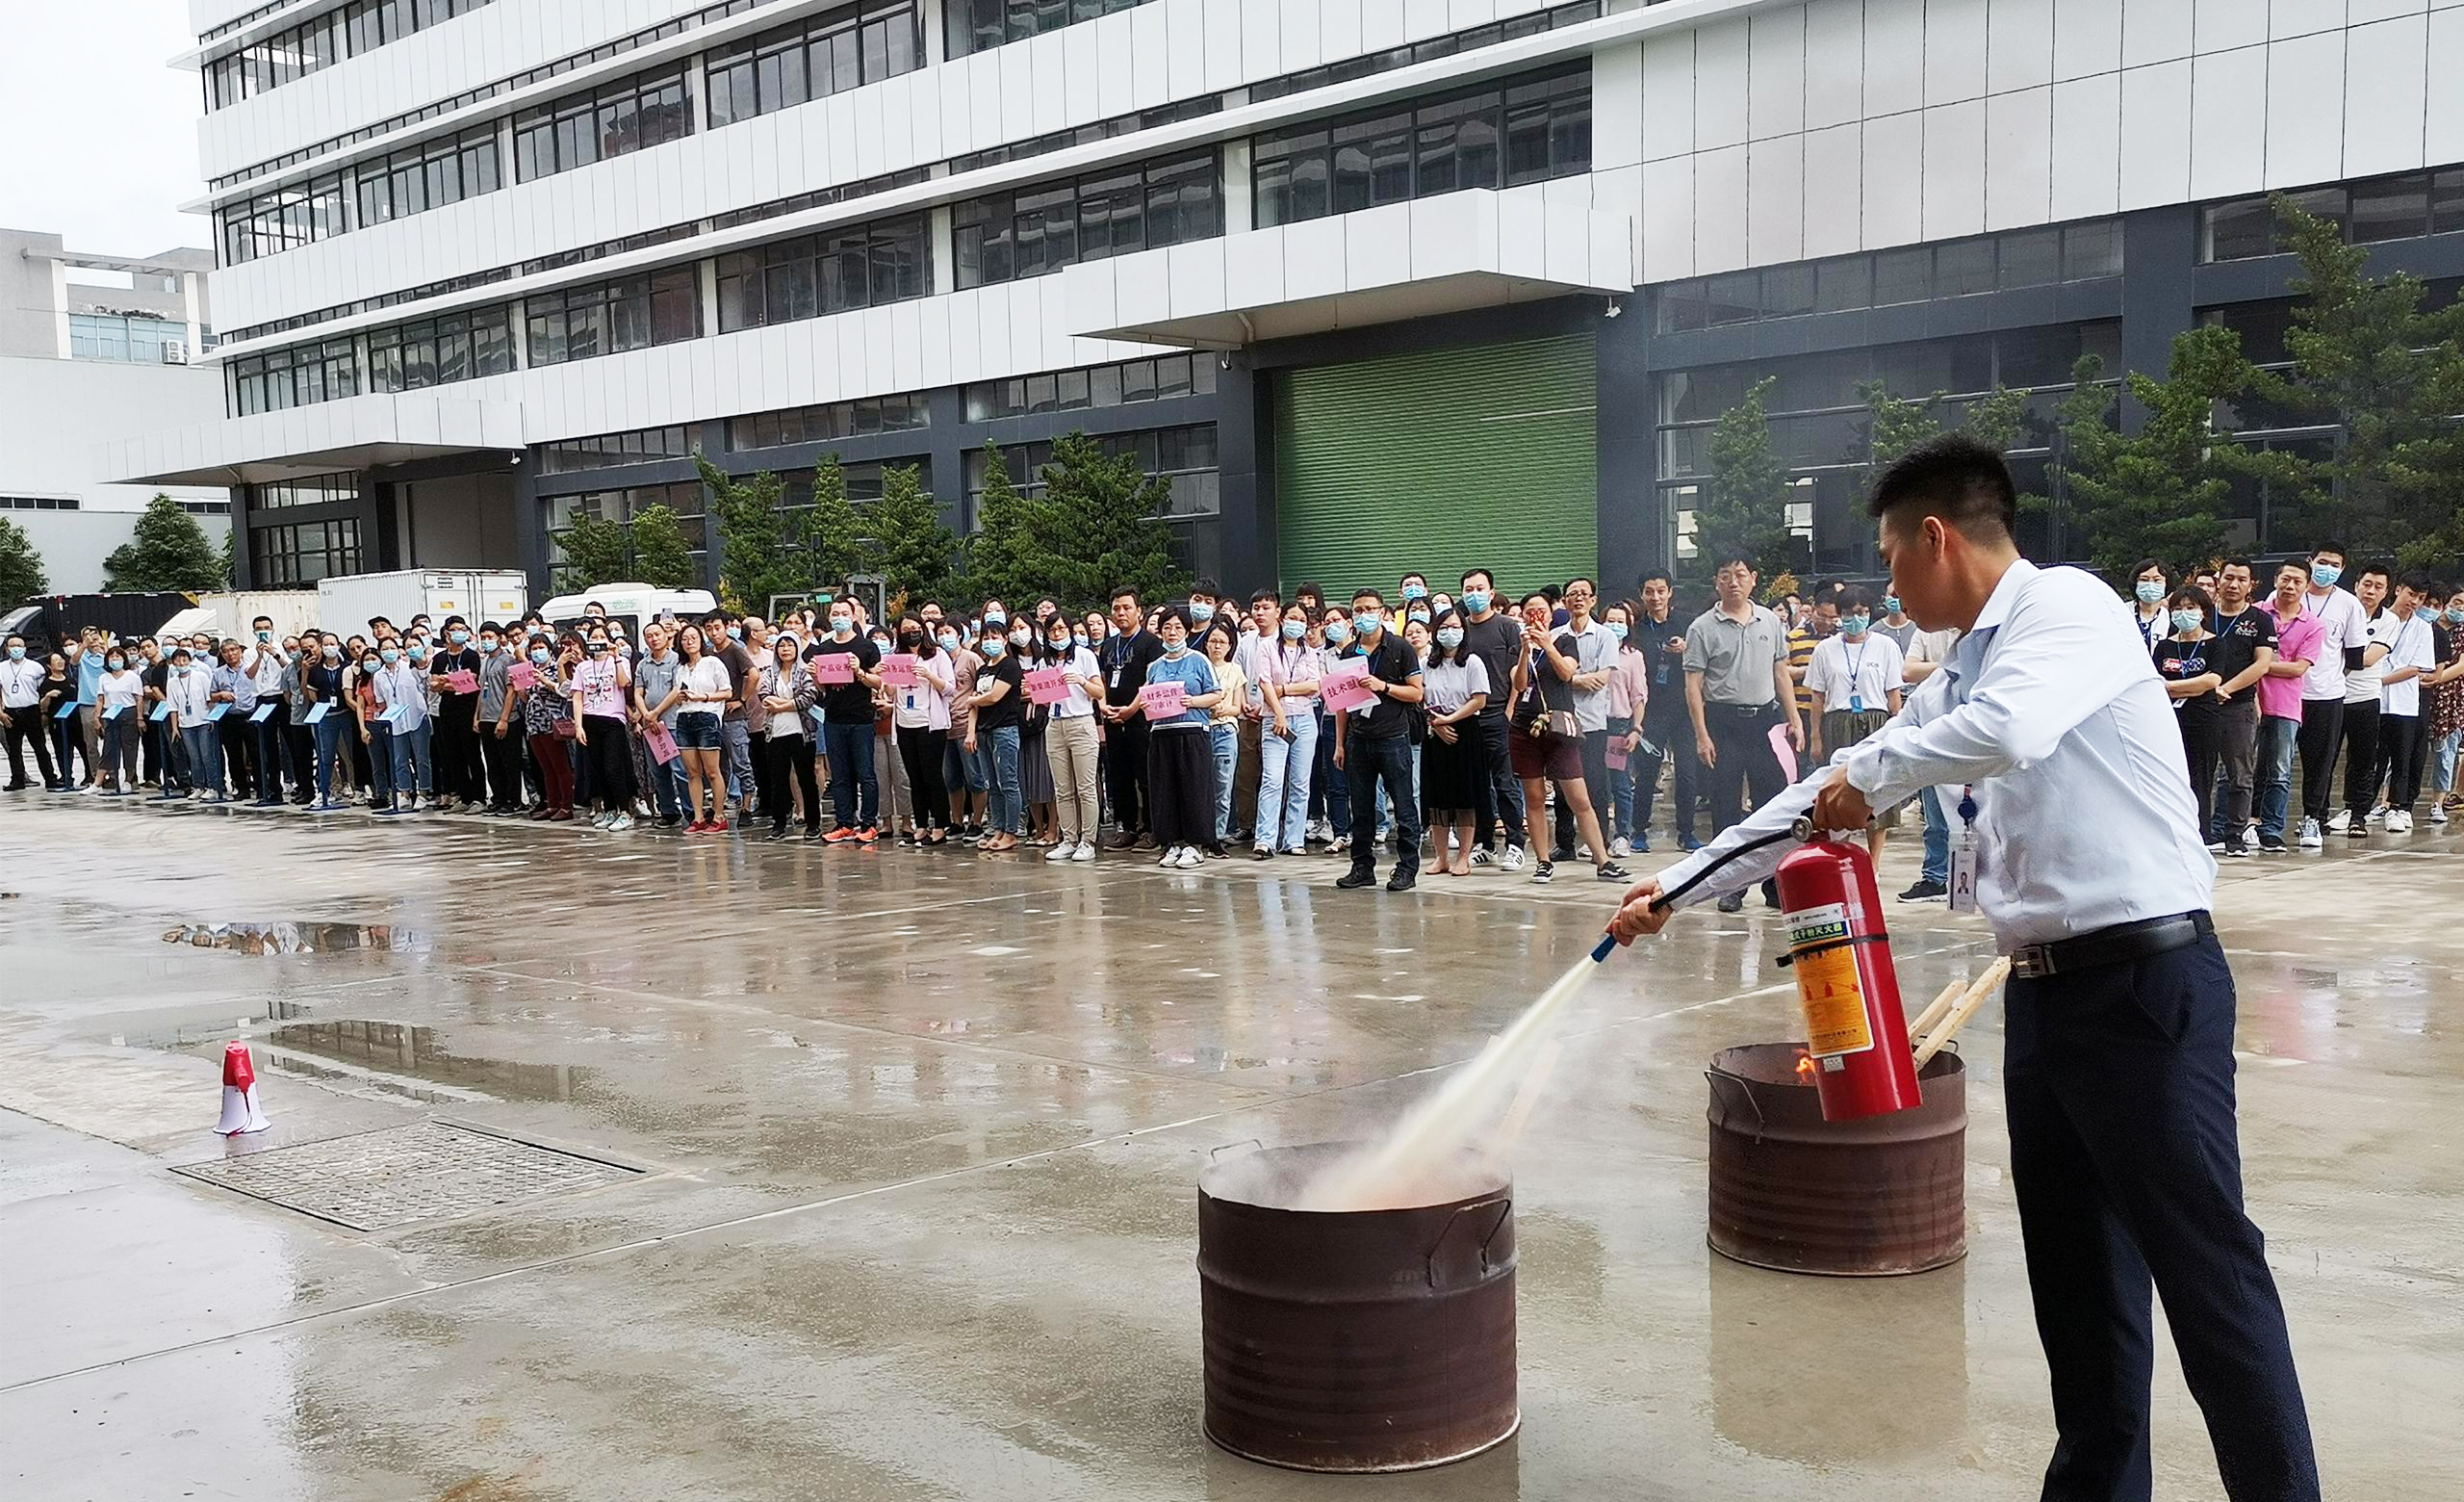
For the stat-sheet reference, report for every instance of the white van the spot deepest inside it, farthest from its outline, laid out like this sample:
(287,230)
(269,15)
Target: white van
(631,603)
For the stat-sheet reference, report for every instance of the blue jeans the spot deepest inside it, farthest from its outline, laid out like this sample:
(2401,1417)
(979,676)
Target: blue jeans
(408,749)
(2443,761)
(998,750)
(1338,785)
(2277,736)
(1621,788)
(330,731)
(667,783)
(1226,738)
(855,792)
(205,757)
(1285,783)
(1937,840)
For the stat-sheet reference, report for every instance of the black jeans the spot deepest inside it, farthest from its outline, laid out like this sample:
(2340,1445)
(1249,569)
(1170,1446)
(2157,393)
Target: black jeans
(1675,739)
(503,757)
(1506,789)
(1744,764)
(920,751)
(459,772)
(2204,743)
(2322,725)
(2127,1163)
(1125,774)
(25,728)
(791,756)
(1368,762)
(2403,742)
(2365,756)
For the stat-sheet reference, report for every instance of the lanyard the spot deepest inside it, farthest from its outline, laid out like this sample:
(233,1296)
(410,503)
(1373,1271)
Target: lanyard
(1856,689)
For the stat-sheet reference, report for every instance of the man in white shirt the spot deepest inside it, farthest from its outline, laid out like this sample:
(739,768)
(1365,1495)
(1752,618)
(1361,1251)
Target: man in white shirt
(263,662)
(2119,1061)
(2322,688)
(2412,654)
(21,715)
(1251,652)
(2362,767)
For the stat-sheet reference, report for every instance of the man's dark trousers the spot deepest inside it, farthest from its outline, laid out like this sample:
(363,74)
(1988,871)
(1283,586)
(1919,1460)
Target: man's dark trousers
(1125,774)
(1506,789)
(2323,729)
(2118,1083)
(1367,761)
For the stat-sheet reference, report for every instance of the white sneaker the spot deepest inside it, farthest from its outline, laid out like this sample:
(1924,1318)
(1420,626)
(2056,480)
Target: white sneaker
(2399,822)
(1191,858)
(2310,838)
(1481,857)
(2437,812)
(1086,851)
(1621,847)
(1059,852)
(1170,857)
(620,821)
(1512,860)
(2378,812)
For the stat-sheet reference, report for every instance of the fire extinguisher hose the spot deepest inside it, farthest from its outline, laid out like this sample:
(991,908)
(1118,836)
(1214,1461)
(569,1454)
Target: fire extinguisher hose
(1801,831)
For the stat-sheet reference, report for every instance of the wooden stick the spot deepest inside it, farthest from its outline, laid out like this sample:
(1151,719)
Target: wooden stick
(1526,1100)
(1986,985)
(1941,1004)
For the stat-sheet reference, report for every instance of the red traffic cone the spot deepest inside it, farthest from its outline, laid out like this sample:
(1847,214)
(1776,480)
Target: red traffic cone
(241,1112)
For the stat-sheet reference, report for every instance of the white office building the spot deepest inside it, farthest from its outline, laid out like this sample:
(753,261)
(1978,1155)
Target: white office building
(95,349)
(1374,282)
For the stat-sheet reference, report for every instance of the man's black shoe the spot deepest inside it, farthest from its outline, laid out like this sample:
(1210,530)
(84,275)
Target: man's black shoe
(1353,881)
(1925,892)
(1400,882)
(1734,902)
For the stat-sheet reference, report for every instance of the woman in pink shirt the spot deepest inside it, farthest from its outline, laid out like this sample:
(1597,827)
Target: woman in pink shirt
(1628,689)
(600,684)
(2297,638)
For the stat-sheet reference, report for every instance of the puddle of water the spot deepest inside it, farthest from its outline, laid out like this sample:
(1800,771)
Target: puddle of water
(392,1054)
(263,939)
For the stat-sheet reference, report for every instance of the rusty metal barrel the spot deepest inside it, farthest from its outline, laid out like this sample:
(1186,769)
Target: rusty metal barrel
(1355,1341)
(1872,1198)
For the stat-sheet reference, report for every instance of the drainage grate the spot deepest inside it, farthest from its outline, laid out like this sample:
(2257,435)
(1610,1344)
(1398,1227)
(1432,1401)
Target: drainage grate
(433,1171)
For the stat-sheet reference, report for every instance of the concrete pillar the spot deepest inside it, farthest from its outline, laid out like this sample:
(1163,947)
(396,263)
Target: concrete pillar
(2159,255)
(943,235)
(1240,208)
(1244,482)
(60,308)
(1634,535)
(937,37)
(192,289)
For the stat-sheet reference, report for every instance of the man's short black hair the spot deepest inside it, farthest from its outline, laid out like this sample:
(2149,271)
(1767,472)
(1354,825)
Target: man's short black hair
(1367,594)
(1651,574)
(2380,569)
(1265,597)
(1125,591)
(1206,587)
(1955,478)
(1853,597)
(486,627)
(1469,573)
(2336,548)
(2237,563)
(1737,559)
(2303,565)
(2421,584)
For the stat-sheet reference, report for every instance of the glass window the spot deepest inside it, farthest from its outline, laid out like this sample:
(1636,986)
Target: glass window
(2391,208)
(1903,276)
(2030,258)
(1843,284)
(1526,130)
(1962,266)
(1734,299)
(1787,291)
(2092,250)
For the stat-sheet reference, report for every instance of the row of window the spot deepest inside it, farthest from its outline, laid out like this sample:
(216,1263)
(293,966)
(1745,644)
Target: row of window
(1370,64)
(617,119)
(610,318)
(1159,379)
(319,42)
(429,175)
(302,553)
(2403,207)
(1884,279)
(981,25)
(137,340)
(1183,456)
(683,498)
(1119,211)
(1525,130)
(831,421)
(432,351)
(816,56)
(861,266)
(608,450)
(39,502)
(555,68)
(315,490)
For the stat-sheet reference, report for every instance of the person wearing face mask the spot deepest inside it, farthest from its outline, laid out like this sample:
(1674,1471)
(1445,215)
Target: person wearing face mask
(1072,745)
(21,685)
(545,712)
(1255,644)
(376,735)
(265,661)
(161,755)
(966,773)
(1035,759)
(1856,677)
(994,699)
(1492,634)
(298,742)
(2344,648)
(1373,748)
(1549,733)
(847,728)
(121,692)
(1180,770)
(1223,730)
(461,780)
(325,679)
(1330,801)
(735,746)
(1629,703)
(59,687)
(1287,669)
(921,714)
(790,695)
(192,699)
(2148,590)
(2243,649)
(598,686)
(1454,766)
(493,723)
(1205,597)
(398,693)
(1126,658)
(2444,704)
(2185,659)
(237,691)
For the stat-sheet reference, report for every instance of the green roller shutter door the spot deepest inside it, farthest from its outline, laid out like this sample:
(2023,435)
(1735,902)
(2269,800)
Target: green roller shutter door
(1438,461)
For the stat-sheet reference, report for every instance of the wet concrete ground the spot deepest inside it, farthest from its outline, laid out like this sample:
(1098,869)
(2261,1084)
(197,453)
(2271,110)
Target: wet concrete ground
(918,1139)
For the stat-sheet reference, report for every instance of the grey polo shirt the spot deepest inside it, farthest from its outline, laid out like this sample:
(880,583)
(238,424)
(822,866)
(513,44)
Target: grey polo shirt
(1595,652)
(1735,658)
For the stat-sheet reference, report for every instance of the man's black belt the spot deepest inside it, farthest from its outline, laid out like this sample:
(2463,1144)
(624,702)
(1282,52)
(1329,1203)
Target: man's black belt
(2118,944)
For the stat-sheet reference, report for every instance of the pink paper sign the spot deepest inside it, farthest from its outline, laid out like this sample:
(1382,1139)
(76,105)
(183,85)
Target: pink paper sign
(1163,701)
(660,743)
(898,670)
(462,680)
(1617,755)
(835,667)
(524,676)
(1047,685)
(1786,753)
(1345,688)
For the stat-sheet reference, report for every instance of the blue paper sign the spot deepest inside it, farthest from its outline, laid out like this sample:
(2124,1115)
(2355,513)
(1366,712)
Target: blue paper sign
(66,712)
(162,711)
(115,712)
(819,716)
(216,712)
(391,715)
(264,712)
(316,712)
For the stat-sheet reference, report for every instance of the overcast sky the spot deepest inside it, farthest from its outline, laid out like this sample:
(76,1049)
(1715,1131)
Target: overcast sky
(97,136)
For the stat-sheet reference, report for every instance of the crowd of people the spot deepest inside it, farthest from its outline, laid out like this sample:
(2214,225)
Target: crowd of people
(1477,729)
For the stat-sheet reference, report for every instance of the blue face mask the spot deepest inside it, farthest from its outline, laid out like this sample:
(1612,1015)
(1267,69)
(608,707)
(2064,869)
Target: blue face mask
(2455,615)
(457,638)
(2325,574)
(1854,625)
(1367,623)
(1414,592)
(993,647)
(949,641)
(1450,637)
(16,654)
(1891,605)
(540,656)
(1475,602)
(1617,629)
(1337,632)
(841,626)
(389,655)
(996,618)
(1201,612)
(2186,621)
(1293,631)
(735,633)
(2149,592)
(1420,616)
(1060,643)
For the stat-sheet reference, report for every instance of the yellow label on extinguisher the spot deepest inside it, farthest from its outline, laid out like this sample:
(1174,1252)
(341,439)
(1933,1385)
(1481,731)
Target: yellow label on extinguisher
(1827,985)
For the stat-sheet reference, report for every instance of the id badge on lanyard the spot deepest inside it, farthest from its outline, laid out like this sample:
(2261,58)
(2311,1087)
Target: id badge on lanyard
(1964,861)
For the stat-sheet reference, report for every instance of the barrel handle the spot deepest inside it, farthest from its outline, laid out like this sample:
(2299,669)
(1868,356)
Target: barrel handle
(1761,1125)
(1502,1205)
(1212,1153)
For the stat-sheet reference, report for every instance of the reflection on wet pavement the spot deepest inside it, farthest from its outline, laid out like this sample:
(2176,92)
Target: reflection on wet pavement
(297,938)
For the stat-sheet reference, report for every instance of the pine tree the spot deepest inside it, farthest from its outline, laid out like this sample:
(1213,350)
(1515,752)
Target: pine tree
(2160,492)
(659,553)
(166,551)
(829,532)
(597,552)
(1101,527)
(1895,424)
(913,549)
(1003,556)
(1743,504)
(230,566)
(755,559)
(21,574)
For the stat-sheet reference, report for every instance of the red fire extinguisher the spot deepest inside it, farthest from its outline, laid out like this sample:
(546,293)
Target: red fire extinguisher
(1856,1035)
